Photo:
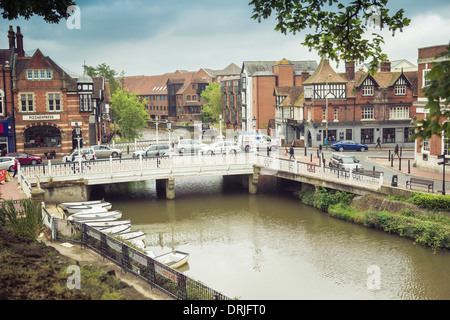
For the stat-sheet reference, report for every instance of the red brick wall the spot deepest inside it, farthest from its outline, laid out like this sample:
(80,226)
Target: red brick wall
(263,100)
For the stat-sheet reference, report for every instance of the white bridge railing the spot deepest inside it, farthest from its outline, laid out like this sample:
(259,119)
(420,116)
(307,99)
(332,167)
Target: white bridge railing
(118,170)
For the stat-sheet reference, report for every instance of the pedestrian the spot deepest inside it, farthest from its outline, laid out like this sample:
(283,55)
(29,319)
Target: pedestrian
(378,143)
(396,151)
(333,140)
(291,152)
(16,163)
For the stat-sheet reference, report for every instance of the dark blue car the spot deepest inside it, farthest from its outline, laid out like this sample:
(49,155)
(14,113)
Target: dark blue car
(349,145)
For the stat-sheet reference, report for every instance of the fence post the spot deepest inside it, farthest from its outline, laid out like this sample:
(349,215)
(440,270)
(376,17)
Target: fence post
(182,295)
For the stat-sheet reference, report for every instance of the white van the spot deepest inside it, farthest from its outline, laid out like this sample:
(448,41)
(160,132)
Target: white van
(248,141)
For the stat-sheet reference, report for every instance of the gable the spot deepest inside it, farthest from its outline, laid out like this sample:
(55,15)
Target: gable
(38,61)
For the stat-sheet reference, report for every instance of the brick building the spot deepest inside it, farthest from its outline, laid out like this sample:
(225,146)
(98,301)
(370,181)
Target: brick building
(426,152)
(176,96)
(49,104)
(358,106)
(7,137)
(258,82)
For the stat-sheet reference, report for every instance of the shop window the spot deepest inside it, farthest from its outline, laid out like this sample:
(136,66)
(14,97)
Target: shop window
(388,135)
(42,137)
(366,136)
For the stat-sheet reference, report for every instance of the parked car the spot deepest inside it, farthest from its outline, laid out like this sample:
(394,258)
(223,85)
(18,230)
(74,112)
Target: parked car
(348,163)
(189,146)
(151,151)
(102,151)
(247,141)
(349,145)
(6,163)
(25,158)
(86,154)
(221,147)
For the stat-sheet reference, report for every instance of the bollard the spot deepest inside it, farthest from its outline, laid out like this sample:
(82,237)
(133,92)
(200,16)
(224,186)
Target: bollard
(409,166)
(392,161)
(389,157)
(310,157)
(305,152)
(399,163)
(401,149)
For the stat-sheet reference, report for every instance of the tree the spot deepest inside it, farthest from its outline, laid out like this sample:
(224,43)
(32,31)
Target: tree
(52,11)
(129,112)
(336,30)
(438,94)
(213,106)
(104,71)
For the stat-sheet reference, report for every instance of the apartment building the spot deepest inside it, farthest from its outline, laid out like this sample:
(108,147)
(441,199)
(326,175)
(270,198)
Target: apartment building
(426,152)
(359,106)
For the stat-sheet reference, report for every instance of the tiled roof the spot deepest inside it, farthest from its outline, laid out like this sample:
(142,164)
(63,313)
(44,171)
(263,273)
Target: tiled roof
(265,67)
(294,96)
(323,73)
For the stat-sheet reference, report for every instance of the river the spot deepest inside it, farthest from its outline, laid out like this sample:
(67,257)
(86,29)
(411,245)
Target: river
(271,246)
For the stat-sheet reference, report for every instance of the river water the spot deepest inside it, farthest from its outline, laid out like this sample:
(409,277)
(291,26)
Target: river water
(271,246)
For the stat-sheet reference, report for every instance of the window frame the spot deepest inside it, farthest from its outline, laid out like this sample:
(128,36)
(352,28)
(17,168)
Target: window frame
(53,94)
(364,113)
(27,100)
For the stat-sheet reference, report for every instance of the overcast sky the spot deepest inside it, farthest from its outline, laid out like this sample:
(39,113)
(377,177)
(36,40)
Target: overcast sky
(151,37)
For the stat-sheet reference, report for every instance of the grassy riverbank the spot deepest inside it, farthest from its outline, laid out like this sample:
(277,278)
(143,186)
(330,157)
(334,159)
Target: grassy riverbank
(416,218)
(31,270)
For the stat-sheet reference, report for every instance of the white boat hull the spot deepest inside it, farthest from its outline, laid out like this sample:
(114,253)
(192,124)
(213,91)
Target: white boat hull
(132,235)
(76,209)
(82,216)
(174,259)
(105,223)
(80,203)
(116,229)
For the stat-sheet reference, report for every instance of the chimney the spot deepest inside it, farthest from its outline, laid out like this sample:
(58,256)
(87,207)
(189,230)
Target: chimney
(385,66)
(12,38)
(350,70)
(305,75)
(20,51)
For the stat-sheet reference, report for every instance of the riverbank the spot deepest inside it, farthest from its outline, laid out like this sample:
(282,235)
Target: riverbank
(426,227)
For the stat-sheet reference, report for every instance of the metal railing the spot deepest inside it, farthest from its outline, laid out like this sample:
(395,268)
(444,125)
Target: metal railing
(130,259)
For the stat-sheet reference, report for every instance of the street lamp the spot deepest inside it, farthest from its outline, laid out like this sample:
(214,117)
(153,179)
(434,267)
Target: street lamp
(78,137)
(220,120)
(326,112)
(169,127)
(156,119)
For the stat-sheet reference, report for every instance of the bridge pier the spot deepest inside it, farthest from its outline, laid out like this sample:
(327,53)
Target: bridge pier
(253,180)
(166,188)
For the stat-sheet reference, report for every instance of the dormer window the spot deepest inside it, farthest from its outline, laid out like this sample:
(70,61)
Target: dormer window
(400,90)
(367,90)
(39,74)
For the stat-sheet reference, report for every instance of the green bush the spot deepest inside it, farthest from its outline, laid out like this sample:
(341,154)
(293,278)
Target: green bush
(431,201)
(23,219)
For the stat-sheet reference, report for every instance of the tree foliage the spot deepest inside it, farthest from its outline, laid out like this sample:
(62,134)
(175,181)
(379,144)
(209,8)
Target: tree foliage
(129,112)
(213,102)
(438,94)
(336,28)
(104,71)
(51,11)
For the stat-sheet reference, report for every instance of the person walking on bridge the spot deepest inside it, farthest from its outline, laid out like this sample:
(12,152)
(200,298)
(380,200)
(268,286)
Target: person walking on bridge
(291,152)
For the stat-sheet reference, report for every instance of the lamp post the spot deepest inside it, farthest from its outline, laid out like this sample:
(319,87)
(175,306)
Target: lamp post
(169,127)
(326,113)
(220,120)
(156,120)
(78,137)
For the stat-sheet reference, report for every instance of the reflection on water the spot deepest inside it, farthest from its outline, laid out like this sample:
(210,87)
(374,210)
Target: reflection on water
(270,246)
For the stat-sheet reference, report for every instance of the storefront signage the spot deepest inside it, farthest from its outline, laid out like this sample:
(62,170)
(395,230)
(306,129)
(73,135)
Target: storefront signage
(42,117)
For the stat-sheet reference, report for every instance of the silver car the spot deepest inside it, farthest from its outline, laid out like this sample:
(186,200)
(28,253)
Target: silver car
(102,151)
(6,163)
(86,154)
(151,151)
(219,147)
(189,146)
